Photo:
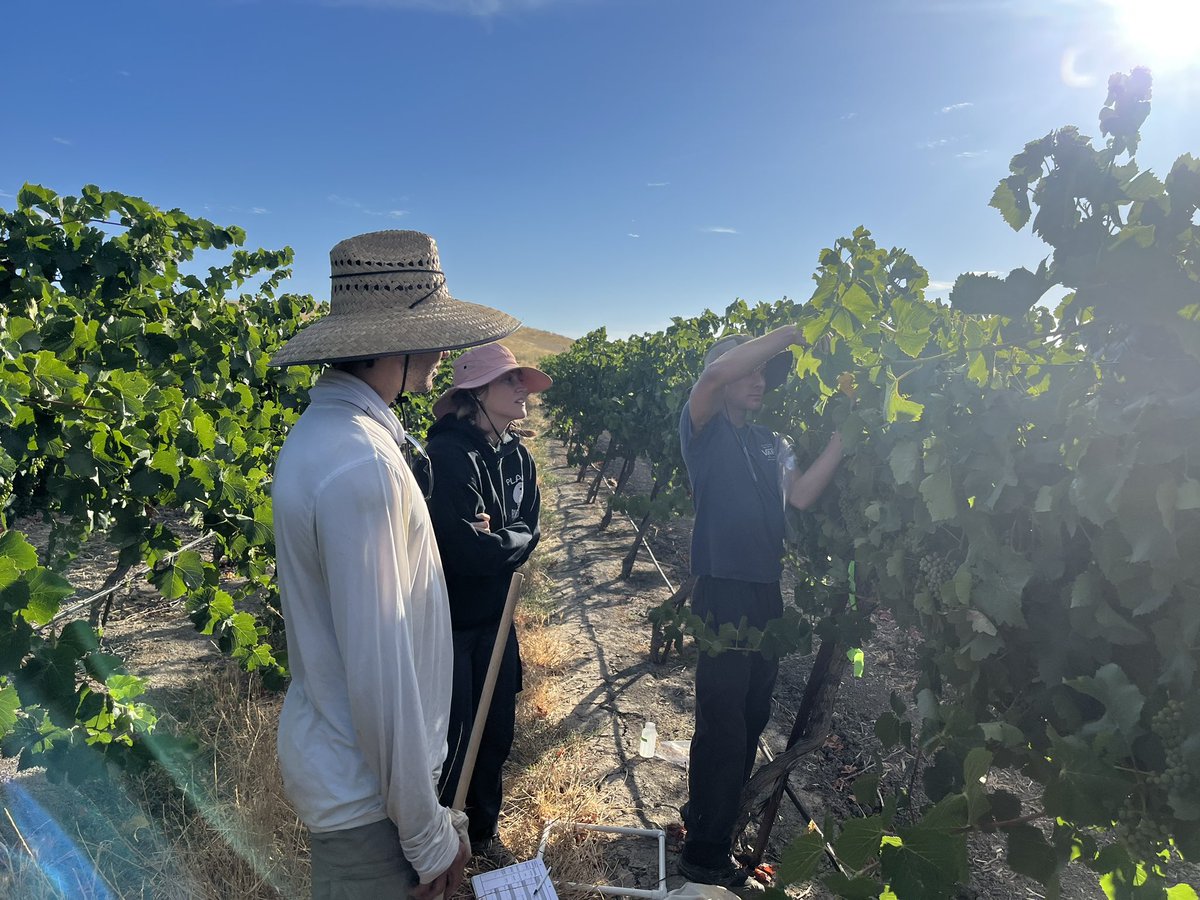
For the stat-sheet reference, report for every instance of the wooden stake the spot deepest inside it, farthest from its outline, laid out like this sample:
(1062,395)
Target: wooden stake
(489,688)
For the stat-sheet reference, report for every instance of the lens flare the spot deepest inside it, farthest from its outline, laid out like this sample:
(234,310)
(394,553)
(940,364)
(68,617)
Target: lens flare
(61,861)
(1164,33)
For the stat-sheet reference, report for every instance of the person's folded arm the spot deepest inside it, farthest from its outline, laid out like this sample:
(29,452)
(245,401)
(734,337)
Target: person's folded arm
(456,503)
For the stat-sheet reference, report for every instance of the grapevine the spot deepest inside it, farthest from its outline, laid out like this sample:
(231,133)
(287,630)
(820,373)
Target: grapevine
(933,571)
(1020,485)
(129,389)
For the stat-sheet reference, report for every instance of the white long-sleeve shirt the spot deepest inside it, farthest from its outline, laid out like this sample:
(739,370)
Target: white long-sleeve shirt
(362,735)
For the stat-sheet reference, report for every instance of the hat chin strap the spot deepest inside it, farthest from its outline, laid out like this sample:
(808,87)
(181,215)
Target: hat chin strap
(479,406)
(402,400)
(728,413)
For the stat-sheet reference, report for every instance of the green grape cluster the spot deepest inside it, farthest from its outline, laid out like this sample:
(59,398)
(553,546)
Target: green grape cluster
(1144,821)
(912,541)
(932,572)
(1167,723)
(1139,831)
(21,504)
(854,520)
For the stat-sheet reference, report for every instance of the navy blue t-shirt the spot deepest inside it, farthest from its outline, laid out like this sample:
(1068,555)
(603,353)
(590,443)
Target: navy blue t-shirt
(736,490)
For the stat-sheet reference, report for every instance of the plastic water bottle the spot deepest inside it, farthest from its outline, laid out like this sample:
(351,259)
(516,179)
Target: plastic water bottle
(649,740)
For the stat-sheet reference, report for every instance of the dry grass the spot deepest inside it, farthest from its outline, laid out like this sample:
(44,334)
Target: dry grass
(556,787)
(227,818)
(538,607)
(222,828)
(544,649)
(217,828)
(554,776)
(530,345)
(58,842)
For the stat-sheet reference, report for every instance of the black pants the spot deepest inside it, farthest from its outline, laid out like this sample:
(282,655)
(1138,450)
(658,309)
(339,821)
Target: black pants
(472,651)
(733,705)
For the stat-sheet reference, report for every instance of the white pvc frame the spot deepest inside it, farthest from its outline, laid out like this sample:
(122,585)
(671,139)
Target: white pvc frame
(658,894)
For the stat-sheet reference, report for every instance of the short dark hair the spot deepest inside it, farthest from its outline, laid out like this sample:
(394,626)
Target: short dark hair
(350,366)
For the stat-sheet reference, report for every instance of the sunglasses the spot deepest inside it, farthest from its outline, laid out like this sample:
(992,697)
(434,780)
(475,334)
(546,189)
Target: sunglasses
(419,462)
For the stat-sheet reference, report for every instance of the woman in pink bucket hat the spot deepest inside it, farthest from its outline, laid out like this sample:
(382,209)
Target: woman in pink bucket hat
(484,503)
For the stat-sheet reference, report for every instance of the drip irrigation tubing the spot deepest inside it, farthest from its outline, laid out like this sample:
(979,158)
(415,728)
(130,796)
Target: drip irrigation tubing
(130,576)
(645,543)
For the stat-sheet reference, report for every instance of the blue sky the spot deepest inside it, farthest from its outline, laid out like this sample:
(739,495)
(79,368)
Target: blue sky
(585,162)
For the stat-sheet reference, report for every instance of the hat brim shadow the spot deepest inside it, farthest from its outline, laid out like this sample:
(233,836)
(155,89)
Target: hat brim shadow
(777,369)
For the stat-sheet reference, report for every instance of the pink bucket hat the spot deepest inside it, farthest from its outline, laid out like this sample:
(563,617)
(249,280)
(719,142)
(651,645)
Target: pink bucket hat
(483,365)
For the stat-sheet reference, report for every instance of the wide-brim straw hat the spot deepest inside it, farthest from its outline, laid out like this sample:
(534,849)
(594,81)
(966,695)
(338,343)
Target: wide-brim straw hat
(483,365)
(775,370)
(388,297)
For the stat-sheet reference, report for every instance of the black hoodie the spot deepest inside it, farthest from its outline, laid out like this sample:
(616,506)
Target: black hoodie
(470,476)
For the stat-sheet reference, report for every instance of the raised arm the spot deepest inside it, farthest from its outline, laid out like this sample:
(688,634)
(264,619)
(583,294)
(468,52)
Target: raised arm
(705,398)
(808,485)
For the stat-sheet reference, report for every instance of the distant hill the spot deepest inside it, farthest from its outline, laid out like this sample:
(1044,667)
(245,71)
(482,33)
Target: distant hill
(529,345)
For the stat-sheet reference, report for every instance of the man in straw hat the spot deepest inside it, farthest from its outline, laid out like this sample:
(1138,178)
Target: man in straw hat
(742,477)
(362,734)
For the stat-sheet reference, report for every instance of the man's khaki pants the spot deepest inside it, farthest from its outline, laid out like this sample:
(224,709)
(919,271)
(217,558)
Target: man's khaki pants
(363,863)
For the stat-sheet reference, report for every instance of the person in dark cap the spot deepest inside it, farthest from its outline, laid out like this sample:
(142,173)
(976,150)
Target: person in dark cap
(742,476)
(362,734)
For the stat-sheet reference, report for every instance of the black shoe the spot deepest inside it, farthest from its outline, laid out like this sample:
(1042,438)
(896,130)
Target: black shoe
(727,875)
(492,853)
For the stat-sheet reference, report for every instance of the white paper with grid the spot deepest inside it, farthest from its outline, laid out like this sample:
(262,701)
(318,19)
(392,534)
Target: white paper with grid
(528,880)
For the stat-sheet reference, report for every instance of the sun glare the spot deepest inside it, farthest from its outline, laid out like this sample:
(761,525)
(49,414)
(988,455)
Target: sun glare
(1164,33)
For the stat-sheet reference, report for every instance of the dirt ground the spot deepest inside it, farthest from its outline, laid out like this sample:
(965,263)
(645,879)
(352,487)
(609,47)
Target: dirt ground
(154,635)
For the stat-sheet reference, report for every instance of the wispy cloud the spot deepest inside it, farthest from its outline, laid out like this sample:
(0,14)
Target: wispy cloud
(124,72)
(226,209)
(846,117)
(930,145)
(657,183)
(632,235)
(719,229)
(970,154)
(955,107)
(60,140)
(940,285)
(351,203)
